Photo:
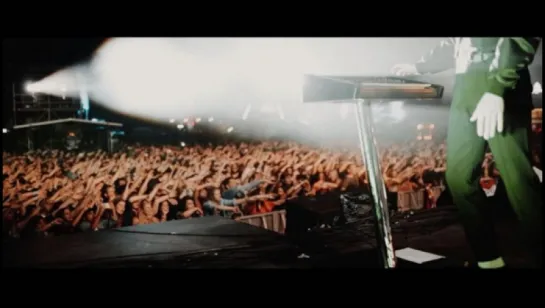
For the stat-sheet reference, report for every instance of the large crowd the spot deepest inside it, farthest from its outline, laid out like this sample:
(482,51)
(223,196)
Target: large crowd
(54,192)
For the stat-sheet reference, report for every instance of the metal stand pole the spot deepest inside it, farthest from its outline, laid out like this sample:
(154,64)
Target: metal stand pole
(376,183)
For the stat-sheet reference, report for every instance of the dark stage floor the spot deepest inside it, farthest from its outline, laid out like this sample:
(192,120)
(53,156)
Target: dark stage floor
(213,242)
(436,231)
(203,242)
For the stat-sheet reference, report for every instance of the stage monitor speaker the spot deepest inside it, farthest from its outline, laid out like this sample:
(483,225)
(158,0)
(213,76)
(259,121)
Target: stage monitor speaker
(332,209)
(356,207)
(306,213)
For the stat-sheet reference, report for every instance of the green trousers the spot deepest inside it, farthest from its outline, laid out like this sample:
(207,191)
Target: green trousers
(465,153)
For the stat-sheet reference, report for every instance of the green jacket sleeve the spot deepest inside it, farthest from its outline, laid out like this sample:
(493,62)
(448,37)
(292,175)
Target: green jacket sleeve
(440,58)
(512,55)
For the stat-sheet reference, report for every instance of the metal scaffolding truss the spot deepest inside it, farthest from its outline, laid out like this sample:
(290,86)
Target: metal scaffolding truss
(32,108)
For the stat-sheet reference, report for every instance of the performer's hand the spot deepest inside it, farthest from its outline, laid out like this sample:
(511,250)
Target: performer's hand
(489,115)
(404,70)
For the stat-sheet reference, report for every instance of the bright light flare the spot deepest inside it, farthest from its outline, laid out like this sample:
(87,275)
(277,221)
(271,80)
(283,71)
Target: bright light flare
(158,78)
(230,129)
(31,87)
(135,74)
(275,67)
(64,83)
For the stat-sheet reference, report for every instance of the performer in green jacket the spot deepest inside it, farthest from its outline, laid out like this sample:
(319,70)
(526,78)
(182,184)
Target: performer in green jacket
(492,104)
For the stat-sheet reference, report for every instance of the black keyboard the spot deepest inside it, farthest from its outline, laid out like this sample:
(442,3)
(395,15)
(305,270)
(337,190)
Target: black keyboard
(346,88)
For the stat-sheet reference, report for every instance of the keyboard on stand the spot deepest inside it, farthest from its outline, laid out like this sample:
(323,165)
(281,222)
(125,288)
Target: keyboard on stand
(362,91)
(347,88)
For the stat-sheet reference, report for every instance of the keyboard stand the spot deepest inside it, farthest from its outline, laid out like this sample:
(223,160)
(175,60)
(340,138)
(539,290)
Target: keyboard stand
(362,91)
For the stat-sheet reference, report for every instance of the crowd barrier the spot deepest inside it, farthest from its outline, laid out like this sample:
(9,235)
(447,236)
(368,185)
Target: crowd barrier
(415,200)
(273,221)
(276,221)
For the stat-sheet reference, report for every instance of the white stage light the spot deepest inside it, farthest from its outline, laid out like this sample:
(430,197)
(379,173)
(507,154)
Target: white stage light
(30,87)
